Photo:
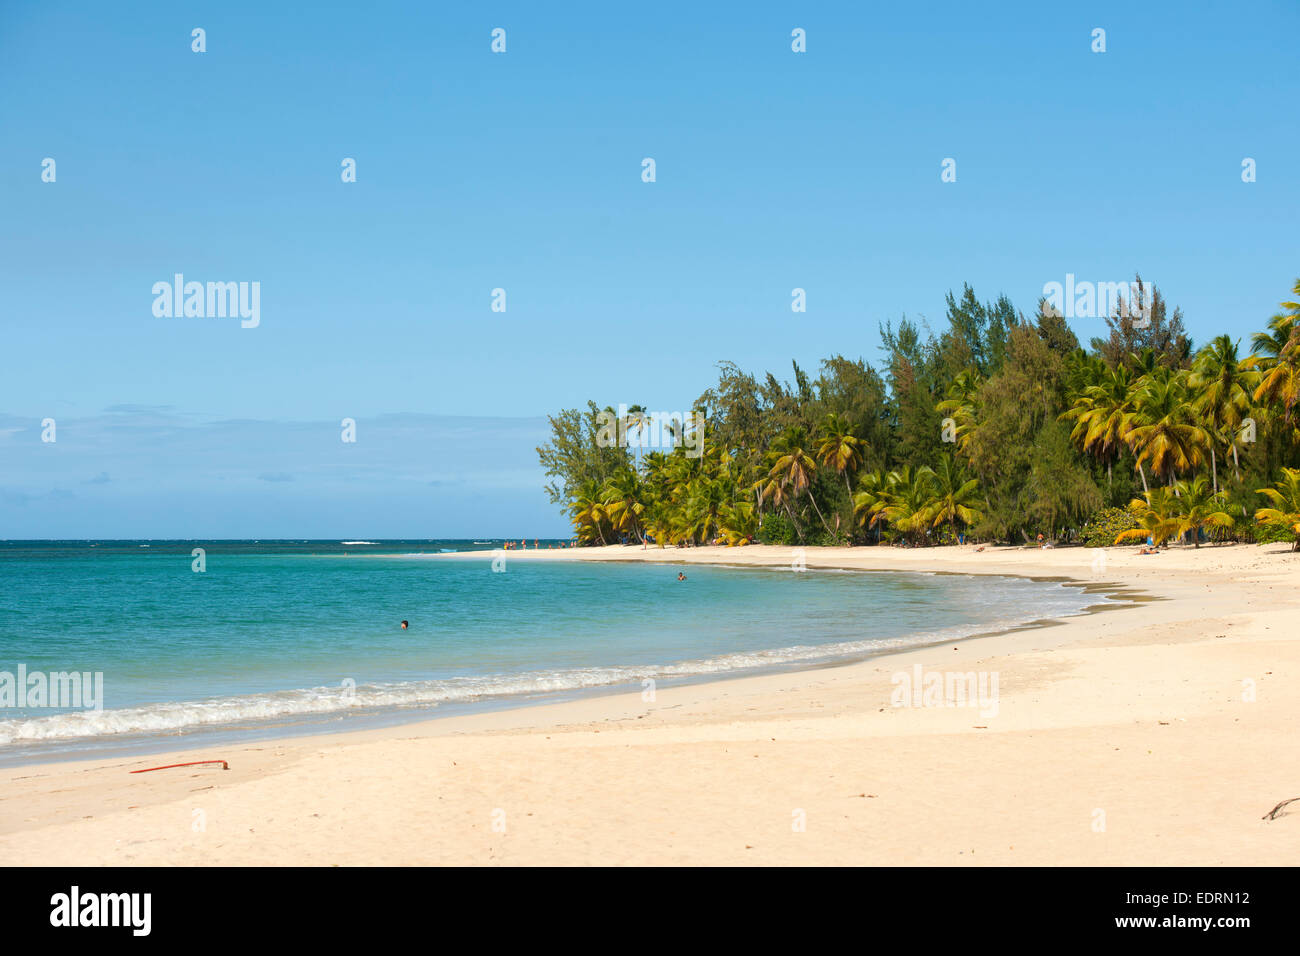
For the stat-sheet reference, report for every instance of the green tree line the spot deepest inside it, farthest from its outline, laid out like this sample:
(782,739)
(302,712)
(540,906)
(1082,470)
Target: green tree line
(998,428)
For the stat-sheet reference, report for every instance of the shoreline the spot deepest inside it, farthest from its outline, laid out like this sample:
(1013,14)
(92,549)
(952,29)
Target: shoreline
(205,737)
(1132,714)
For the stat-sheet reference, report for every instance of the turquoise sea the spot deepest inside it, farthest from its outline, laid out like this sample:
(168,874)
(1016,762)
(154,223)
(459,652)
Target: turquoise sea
(282,637)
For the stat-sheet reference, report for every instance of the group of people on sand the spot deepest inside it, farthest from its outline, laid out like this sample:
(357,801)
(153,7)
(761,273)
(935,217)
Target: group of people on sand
(523,545)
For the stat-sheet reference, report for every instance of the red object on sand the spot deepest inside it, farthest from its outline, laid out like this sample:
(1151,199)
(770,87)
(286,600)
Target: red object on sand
(192,763)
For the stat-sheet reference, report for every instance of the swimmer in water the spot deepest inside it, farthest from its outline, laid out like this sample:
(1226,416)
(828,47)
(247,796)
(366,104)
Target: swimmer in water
(404,624)
(680,576)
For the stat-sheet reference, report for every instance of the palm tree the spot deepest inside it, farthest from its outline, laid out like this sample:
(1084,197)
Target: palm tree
(587,512)
(621,502)
(705,498)
(1145,362)
(1103,415)
(955,496)
(1163,429)
(637,420)
(1155,517)
(1083,370)
(1195,506)
(907,500)
(738,522)
(840,448)
(661,522)
(1265,347)
(1285,499)
(1221,385)
(959,405)
(869,502)
(1279,382)
(791,474)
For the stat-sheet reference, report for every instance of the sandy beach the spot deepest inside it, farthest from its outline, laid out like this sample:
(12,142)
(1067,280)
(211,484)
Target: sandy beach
(1159,732)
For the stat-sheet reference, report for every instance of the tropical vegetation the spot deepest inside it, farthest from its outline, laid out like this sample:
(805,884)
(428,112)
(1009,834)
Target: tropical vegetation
(997,428)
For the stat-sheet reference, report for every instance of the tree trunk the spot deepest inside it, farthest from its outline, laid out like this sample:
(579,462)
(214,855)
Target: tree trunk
(819,514)
(797,529)
(1145,490)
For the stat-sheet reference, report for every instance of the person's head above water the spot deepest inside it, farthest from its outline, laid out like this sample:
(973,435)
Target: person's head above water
(404,623)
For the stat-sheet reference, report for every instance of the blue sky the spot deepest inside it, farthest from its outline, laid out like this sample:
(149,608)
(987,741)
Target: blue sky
(522,171)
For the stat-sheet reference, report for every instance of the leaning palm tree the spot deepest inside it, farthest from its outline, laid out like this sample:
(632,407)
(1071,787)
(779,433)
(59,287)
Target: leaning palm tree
(1284,497)
(840,448)
(587,512)
(621,502)
(791,474)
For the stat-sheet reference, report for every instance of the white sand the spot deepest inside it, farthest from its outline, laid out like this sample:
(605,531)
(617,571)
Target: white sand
(1122,737)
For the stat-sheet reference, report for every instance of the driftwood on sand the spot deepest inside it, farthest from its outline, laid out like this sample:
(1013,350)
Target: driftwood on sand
(1273,814)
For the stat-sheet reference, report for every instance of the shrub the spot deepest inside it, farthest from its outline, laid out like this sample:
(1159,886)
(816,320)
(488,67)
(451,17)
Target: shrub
(1271,532)
(777,529)
(818,538)
(942,536)
(1105,526)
